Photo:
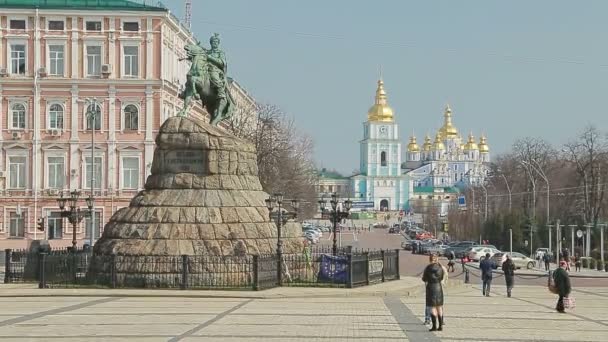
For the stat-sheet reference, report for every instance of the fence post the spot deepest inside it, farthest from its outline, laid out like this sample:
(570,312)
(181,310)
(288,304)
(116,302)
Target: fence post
(397,264)
(256,285)
(466,276)
(113,271)
(383,263)
(41,270)
(366,267)
(183,285)
(349,280)
(8,254)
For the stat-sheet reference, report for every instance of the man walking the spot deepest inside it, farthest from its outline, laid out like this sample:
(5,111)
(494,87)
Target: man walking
(486,266)
(547,260)
(508,267)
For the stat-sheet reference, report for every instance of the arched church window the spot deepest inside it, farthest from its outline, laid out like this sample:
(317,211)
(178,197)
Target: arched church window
(383,158)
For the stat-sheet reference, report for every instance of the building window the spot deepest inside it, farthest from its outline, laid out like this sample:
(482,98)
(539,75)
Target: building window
(56,25)
(132,26)
(97,117)
(56,116)
(18,59)
(16,172)
(131,118)
(131,56)
(130,173)
(93,26)
(17,225)
(56,60)
(96,176)
(17,24)
(94,60)
(88,227)
(56,172)
(18,116)
(383,158)
(55,226)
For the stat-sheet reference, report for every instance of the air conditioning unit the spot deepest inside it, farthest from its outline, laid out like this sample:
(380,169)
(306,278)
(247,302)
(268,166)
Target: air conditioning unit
(106,69)
(17,135)
(2,174)
(55,132)
(53,192)
(42,72)
(3,72)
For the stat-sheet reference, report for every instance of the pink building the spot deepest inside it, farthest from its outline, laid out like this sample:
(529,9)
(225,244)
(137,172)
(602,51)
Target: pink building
(56,57)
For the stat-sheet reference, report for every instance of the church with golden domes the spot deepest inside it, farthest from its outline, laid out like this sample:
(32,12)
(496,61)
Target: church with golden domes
(436,170)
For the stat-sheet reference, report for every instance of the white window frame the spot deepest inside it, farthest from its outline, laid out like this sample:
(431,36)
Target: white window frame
(88,44)
(99,223)
(123,63)
(47,216)
(92,19)
(17,153)
(123,114)
(24,217)
(85,119)
(124,155)
(85,182)
(11,103)
(133,20)
(56,42)
(49,104)
(47,172)
(48,22)
(17,17)
(9,60)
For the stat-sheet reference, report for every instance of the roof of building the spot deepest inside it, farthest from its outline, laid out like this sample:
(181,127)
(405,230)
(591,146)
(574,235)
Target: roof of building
(380,111)
(324,173)
(139,5)
(430,189)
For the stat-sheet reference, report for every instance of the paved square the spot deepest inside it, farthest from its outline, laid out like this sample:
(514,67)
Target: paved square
(529,316)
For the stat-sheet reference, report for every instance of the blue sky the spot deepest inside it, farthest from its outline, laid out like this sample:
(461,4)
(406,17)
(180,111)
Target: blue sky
(508,68)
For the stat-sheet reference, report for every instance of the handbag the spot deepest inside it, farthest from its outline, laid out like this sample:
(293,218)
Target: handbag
(552,287)
(569,302)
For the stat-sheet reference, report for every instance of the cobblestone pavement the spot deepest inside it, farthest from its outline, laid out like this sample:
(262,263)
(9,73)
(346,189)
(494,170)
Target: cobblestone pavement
(529,316)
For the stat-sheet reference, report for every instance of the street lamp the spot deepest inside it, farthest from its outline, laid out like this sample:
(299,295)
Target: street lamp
(507,184)
(281,218)
(538,169)
(92,116)
(338,212)
(74,214)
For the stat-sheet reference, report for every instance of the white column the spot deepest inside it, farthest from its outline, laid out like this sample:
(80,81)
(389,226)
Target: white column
(588,238)
(74,157)
(149,140)
(149,49)
(75,47)
(74,115)
(36,151)
(112,46)
(112,174)
(1,107)
(112,113)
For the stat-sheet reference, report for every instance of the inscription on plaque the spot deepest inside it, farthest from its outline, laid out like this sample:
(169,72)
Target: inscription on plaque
(191,161)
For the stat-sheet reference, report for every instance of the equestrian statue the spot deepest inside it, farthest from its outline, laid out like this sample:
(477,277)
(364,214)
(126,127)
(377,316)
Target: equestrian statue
(206,81)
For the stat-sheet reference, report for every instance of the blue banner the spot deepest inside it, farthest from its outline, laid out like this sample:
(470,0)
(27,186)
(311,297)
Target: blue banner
(333,269)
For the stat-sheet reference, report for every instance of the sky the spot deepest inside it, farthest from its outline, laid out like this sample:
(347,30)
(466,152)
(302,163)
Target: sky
(508,69)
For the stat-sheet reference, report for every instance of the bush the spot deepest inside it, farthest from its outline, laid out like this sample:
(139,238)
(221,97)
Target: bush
(592,263)
(600,265)
(585,262)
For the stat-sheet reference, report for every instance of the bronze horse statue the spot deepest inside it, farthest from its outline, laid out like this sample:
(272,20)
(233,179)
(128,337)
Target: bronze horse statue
(200,85)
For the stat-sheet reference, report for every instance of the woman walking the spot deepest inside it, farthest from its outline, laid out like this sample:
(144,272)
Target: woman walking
(561,281)
(433,276)
(508,268)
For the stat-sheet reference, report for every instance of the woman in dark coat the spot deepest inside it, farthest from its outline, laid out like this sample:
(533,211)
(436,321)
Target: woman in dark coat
(562,283)
(508,267)
(432,276)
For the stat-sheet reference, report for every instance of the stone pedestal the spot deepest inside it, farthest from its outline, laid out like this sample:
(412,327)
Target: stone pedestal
(203,197)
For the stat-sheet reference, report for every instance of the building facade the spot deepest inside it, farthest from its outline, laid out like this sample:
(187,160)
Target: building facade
(123,61)
(380,179)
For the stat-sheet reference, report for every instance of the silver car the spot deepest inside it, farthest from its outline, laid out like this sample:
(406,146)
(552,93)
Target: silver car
(520,260)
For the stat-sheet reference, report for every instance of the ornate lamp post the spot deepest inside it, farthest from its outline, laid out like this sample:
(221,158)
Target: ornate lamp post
(74,214)
(338,212)
(276,201)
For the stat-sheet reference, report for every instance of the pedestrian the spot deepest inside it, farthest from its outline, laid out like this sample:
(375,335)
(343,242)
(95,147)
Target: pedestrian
(433,275)
(561,281)
(486,266)
(547,260)
(451,258)
(508,267)
(577,263)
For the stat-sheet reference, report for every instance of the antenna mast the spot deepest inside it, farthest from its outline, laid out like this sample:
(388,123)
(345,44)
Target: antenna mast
(188,14)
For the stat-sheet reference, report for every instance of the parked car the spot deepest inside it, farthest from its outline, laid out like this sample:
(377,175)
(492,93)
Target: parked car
(460,248)
(438,249)
(408,245)
(477,253)
(393,230)
(520,260)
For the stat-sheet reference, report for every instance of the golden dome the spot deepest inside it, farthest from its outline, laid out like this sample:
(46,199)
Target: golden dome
(438,145)
(448,130)
(483,145)
(413,146)
(380,111)
(462,144)
(471,145)
(427,144)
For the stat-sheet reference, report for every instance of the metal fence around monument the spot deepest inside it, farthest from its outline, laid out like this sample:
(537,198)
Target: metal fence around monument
(316,268)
